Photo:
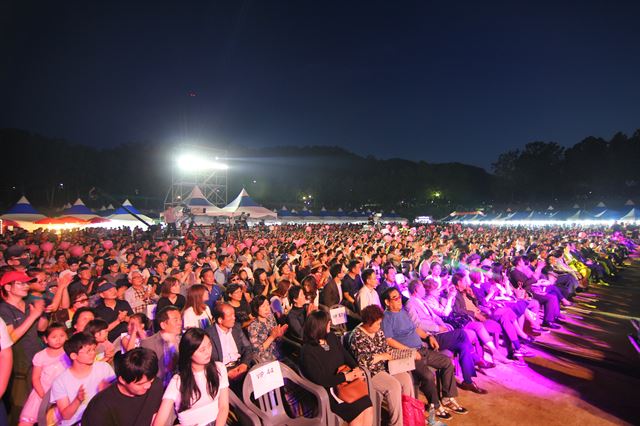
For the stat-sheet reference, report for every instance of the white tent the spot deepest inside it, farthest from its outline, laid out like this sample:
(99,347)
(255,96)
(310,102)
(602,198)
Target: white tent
(79,210)
(631,216)
(199,205)
(123,216)
(243,203)
(23,213)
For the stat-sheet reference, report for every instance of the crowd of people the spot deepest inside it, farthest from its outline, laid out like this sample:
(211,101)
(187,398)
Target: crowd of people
(120,327)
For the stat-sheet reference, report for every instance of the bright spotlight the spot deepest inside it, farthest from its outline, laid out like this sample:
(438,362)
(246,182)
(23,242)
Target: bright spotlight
(195,163)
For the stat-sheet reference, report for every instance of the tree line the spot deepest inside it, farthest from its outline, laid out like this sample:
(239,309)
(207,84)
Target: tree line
(52,172)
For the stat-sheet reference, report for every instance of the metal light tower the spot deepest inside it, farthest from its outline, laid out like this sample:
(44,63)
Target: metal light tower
(198,165)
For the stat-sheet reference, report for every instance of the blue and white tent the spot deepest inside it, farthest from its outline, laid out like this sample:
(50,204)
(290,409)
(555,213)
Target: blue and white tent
(243,203)
(79,210)
(122,217)
(23,213)
(284,212)
(631,216)
(199,205)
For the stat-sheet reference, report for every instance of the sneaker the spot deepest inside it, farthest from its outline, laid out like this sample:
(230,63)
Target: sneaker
(540,331)
(485,364)
(528,340)
(522,353)
(551,325)
(518,362)
(452,405)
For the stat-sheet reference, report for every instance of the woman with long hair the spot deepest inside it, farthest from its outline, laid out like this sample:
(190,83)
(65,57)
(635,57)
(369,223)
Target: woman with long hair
(199,393)
(321,356)
(196,313)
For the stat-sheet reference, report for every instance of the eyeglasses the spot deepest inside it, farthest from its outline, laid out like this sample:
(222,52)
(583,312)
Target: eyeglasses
(394,298)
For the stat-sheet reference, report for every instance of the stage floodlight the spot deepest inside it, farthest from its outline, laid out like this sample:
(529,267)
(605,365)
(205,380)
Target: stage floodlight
(195,163)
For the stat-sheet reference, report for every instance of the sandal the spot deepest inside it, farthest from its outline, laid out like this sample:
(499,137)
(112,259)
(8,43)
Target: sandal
(442,413)
(453,405)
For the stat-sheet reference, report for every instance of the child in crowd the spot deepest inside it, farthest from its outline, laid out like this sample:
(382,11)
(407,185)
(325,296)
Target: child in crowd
(136,332)
(48,364)
(72,390)
(99,329)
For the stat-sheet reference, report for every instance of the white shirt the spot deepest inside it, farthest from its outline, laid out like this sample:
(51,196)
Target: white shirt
(368,296)
(203,411)
(5,339)
(66,384)
(228,344)
(191,320)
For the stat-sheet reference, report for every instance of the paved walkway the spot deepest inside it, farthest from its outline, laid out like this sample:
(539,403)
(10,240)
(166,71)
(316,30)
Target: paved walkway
(586,373)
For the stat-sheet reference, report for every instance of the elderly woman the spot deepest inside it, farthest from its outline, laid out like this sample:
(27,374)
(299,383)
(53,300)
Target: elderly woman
(264,332)
(370,348)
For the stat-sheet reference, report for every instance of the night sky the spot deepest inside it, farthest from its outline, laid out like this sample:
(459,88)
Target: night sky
(435,81)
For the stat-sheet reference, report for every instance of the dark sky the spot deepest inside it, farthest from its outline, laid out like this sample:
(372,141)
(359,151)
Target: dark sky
(436,81)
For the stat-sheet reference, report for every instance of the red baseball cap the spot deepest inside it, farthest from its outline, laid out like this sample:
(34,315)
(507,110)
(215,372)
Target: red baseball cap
(11,276)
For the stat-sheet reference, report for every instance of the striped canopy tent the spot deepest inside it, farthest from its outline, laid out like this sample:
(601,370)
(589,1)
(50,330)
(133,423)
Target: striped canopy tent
(543,215)
(199,205)
(392,215)
(326,215)
(79,210)
(608,214)
(123,216)
(631,216)
(518,216)
(580,215)
(108,211)
(341,214)
(243,203)
(599,208)
(284,212)
(24,214)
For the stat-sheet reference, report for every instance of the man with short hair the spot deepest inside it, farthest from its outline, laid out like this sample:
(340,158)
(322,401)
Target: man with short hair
(207,276)
(388,280)
(138,295)
(165,342)
(114,311)
(23,323)
(230,345)
(331,294)
(401,333)
(134,399)
(221,274)
(114,274)
(367,294)
(352,283)
(84,281)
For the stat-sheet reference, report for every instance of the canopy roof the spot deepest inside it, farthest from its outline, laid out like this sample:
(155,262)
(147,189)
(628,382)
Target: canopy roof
(22,211)
(243,203)
(124,216)
(79,210)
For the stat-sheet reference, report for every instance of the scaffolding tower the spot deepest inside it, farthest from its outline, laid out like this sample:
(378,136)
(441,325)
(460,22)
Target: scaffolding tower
(213,183)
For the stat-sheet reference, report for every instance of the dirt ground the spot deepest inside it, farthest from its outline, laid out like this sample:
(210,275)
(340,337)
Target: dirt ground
(586,373)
